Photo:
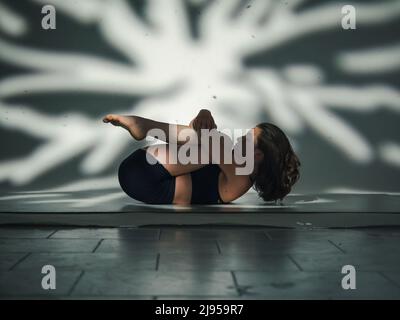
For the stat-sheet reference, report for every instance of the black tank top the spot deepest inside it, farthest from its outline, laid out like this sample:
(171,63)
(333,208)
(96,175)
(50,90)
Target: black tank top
(205,185)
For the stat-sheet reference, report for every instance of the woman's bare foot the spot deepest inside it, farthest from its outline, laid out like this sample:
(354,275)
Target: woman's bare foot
(129,123)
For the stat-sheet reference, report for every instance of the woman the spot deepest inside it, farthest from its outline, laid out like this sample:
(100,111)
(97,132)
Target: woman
(163,181)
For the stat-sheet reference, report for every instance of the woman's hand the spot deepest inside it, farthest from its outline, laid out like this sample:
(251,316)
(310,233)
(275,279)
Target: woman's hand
(204,120)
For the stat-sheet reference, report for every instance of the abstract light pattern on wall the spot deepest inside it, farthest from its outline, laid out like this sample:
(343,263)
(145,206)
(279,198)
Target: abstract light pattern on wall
(179,56)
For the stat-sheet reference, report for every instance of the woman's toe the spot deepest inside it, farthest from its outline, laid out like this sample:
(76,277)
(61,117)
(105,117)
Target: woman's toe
(110,118)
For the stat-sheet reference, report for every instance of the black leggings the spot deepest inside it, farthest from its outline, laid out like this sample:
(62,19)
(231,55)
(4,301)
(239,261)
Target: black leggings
(146,182)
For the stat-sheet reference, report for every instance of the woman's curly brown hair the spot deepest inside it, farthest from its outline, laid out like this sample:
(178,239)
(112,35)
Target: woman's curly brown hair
(279,169)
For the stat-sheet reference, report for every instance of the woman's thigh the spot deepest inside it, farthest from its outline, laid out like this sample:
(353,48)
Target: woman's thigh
(146,182)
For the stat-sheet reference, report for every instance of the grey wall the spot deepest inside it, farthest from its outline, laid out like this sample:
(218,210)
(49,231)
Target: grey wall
(334,92)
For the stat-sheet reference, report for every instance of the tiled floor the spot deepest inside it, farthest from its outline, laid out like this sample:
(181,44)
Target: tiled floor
(199,263)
